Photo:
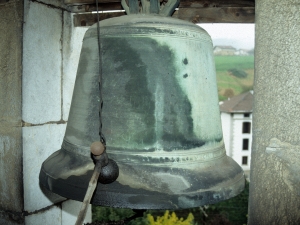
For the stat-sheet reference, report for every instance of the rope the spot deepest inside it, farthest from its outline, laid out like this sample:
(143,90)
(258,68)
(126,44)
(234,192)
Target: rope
(102,138)
(97,170)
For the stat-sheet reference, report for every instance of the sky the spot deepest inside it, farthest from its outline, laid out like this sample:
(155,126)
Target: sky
(237,35)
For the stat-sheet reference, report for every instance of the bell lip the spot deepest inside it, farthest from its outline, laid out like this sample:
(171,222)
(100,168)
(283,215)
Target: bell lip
(111,195)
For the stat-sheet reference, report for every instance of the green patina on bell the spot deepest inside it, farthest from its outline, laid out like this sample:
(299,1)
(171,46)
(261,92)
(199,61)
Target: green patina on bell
(160,118)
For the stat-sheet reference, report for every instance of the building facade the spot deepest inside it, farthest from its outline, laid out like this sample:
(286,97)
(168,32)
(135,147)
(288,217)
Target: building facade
(224,50)
(236,116)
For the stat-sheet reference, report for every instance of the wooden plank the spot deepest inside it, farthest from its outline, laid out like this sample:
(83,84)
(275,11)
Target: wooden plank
(117,6)
(90,5)
(217,15)
(196,3)
(91,2)
(195,15)
(88,19)
(216,3)
(101,7)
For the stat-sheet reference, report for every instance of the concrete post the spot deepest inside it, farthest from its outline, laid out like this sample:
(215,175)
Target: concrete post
(275,168)
(11,193)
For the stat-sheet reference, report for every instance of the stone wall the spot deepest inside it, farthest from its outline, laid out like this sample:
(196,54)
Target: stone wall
(37,74)
(51,49)
(275,176)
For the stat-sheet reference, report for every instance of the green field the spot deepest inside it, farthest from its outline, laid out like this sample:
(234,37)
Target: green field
(228,83)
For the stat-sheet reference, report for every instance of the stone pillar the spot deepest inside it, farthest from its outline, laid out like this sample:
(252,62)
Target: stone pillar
(11,193)
(275,167)
(11,180)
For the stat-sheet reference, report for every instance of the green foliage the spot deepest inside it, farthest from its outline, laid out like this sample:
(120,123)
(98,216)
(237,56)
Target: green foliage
(139,221)
(100,213)
(222,98)
(234,210)
(246,88)
(238,73)
(170,219)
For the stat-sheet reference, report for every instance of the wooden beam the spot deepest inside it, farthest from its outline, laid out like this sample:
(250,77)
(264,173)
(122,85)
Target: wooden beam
(90,5)
(195,15)
(217,15)
(88,19)
(92,8)
(91,2)
(196,3)
(216,3)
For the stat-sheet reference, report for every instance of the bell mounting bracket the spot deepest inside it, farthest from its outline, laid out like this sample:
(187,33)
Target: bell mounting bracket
(150,7)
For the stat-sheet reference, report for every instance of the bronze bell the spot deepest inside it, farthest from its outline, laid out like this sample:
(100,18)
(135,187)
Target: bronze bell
(160,118)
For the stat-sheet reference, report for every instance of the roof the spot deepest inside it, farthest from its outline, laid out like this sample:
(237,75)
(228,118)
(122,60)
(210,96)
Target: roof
(238,104)
(224,47)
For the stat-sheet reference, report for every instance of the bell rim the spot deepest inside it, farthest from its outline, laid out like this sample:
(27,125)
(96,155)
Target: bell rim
(111,195)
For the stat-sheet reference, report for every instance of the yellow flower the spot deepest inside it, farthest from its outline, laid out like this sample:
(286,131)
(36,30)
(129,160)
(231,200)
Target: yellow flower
(168,219)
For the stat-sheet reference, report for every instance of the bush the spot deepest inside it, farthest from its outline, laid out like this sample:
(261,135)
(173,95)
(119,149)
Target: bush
(105,214)
(238,73)
(228,93)
(234,210)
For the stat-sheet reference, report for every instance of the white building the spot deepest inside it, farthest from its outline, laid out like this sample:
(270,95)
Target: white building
(241,52)
(224,50)
(236,116)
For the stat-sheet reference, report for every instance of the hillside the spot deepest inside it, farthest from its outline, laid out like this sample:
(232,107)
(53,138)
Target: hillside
(235,75)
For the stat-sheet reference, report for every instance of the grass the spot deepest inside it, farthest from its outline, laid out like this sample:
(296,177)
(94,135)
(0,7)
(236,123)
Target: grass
(224,63)
(227,81)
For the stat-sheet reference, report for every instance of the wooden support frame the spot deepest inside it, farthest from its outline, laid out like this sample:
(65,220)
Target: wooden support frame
(88,19)
(183,3)
(196,11)
(195,15)
(217,15)
(90,5)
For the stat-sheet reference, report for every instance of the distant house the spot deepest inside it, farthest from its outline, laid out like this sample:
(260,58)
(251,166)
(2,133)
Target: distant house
(224,50)
(236,116)
(242,52)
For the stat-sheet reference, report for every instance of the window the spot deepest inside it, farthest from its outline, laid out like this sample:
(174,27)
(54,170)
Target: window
(245,160)
(246,114)
(246,128)
(245,144)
